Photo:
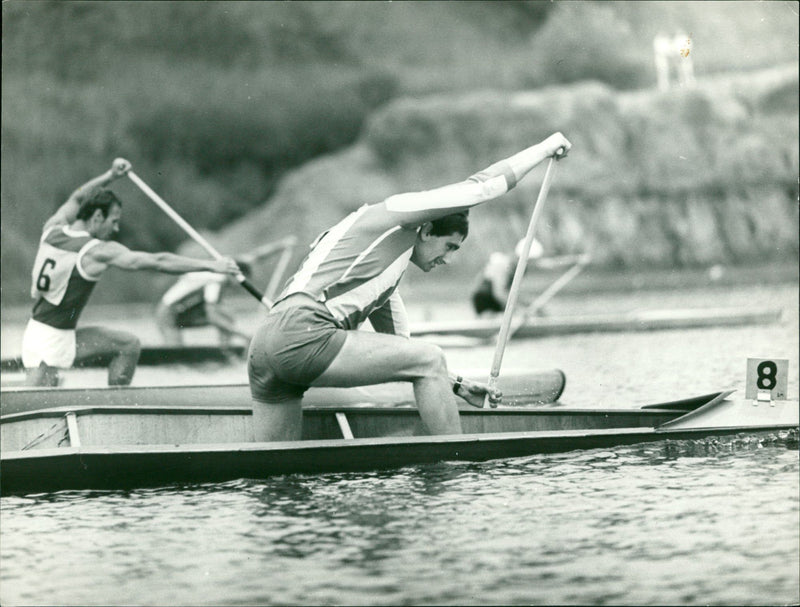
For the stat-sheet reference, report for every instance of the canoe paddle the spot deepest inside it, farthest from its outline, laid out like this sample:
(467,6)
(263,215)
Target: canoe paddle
(285,246)
(240,278)
(516,283)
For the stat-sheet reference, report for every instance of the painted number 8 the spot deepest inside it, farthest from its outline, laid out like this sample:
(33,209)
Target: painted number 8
(767,371)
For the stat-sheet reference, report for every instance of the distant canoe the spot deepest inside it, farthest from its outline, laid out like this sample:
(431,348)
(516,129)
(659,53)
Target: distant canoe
(158,355)
(540,326)
(648,320)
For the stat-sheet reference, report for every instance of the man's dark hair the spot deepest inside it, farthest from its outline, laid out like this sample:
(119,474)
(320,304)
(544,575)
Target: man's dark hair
(101,199)
(450,224)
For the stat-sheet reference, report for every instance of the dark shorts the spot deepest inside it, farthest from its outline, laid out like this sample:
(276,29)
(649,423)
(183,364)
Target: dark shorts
(294,345)
(483,299)
(193,317)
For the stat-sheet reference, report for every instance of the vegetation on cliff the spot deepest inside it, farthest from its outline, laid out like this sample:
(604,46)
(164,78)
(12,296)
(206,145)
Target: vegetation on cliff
(217,104)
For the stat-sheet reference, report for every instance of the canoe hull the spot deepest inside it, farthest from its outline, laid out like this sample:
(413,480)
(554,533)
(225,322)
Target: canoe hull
(104,447)
(149,466)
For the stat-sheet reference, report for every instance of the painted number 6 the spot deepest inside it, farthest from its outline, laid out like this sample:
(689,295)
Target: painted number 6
(43,282)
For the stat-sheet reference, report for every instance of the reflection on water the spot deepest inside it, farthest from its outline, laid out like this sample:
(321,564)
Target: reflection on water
(678,522)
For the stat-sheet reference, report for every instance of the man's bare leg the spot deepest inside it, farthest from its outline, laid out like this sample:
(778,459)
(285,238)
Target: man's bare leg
(278,421)
(124,349)
(42,376)
(372,358)
(165,319)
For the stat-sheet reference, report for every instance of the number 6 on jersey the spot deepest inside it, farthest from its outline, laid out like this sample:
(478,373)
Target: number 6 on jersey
(769,374)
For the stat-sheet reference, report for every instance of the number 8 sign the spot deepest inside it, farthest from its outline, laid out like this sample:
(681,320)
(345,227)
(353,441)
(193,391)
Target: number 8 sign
(767,374)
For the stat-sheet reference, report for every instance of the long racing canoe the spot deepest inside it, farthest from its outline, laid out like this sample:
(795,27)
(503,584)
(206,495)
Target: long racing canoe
(643,320)
(157,355)
(87,444)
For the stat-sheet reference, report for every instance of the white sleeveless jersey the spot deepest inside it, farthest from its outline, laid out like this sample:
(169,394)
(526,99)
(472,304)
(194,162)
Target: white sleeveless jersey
(59,282)
(60,252)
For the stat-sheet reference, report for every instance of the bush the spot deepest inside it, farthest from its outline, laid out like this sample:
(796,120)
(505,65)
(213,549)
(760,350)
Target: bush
(275,125)
(604,48)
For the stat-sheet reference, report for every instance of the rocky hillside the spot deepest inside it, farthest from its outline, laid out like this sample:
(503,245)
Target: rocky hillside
(685,178)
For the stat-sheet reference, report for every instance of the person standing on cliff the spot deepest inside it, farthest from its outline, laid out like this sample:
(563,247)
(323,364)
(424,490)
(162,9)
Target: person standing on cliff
(74,250)
(351,274)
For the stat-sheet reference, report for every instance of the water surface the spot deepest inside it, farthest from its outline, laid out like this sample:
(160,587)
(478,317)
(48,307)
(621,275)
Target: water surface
(701,522)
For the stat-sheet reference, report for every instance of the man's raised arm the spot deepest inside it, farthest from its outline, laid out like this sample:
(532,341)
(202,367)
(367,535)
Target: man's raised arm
(414,208)
(68,212)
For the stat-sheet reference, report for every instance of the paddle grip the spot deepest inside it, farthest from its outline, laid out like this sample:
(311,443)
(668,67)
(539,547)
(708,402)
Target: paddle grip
(492,383)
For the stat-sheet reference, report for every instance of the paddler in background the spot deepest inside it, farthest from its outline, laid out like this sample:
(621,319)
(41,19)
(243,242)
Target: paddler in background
(491,288)
(351,274)
(194,301)
(74,251)
(490,292)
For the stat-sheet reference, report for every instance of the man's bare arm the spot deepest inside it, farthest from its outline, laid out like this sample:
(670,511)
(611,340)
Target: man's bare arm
(119,256)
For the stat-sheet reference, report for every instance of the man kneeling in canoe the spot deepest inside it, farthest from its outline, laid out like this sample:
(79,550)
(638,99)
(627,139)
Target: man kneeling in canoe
(74,251)
(309,337)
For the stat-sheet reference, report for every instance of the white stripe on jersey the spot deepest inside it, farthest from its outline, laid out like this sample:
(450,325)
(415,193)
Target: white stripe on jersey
(399,315)
(79,262)
(352,301)
(321,251)
(366,251)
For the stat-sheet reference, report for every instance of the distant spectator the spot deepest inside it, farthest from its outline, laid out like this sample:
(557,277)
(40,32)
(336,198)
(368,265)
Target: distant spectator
(673,54)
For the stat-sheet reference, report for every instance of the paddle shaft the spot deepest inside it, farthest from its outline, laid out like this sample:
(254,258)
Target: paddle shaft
(516,283)
(240,278)
(285,246)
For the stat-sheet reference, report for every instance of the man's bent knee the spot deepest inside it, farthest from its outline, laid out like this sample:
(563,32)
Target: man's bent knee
(433,360)
(43,376)
(130,346)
